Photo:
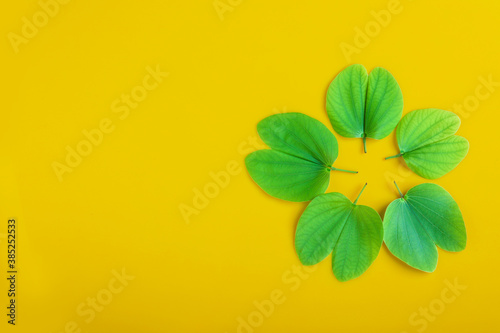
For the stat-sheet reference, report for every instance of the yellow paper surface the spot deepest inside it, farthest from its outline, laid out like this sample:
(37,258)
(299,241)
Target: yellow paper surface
(160,98)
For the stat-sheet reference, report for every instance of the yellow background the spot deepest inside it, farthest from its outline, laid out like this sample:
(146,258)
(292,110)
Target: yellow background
(120,208)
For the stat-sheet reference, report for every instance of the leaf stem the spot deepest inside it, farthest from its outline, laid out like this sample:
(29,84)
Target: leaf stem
(398,155)
(401,194)
(364,143)
(356,201)
(335,169)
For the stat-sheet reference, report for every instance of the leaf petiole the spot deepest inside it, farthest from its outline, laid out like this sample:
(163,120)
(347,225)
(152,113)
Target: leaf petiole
(364,143)
(356,201)
(398,155)
(401,194)
(336,169)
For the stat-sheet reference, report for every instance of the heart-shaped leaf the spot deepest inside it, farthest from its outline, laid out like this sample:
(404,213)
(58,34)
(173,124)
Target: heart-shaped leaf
(364,106)
(298,166)
(427,142)
(331,222)
(425,217)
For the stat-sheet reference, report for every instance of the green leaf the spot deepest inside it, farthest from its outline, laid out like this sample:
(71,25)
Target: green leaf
(298,166)
(331,222)
(425,217)
(364,106)
(427,142)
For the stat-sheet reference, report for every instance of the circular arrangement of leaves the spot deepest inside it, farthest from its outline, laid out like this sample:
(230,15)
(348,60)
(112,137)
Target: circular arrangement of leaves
(303,151)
